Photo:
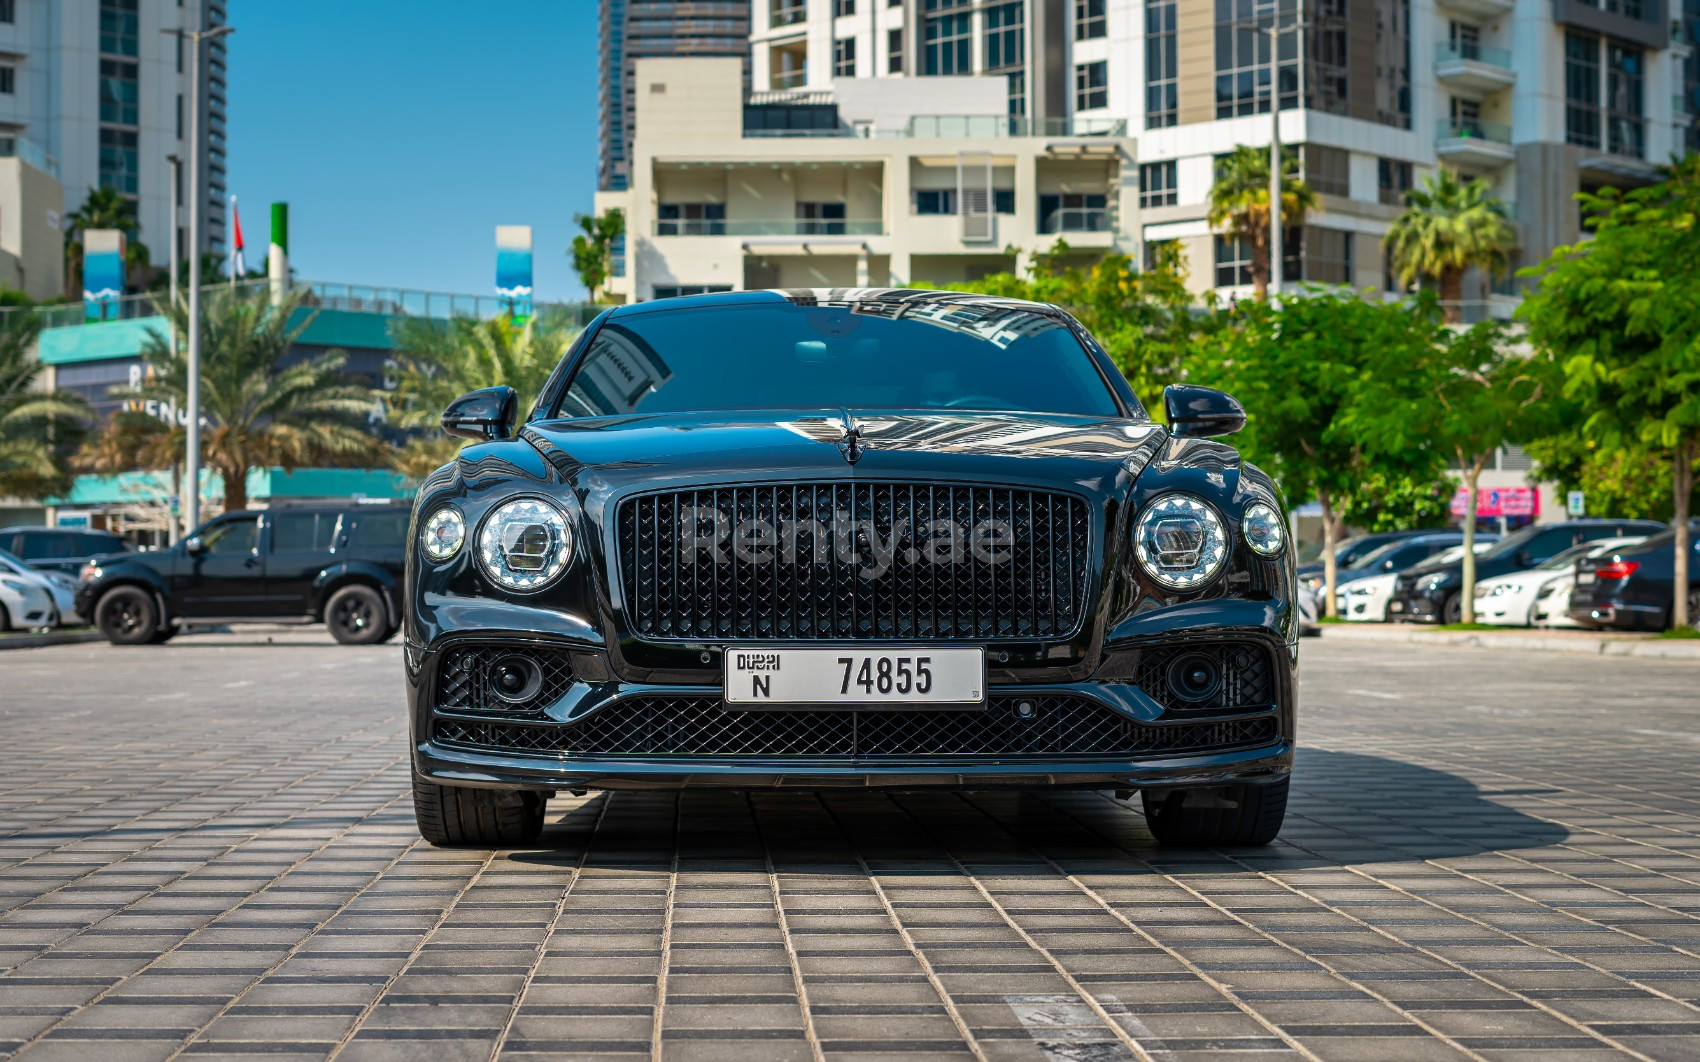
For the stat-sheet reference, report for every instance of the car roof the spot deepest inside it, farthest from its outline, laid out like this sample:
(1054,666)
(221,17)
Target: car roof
(893,297)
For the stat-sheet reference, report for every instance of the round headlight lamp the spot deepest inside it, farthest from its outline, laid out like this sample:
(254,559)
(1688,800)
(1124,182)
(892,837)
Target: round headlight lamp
(524,544)
(444,532)
(1180,541)
(1263,529)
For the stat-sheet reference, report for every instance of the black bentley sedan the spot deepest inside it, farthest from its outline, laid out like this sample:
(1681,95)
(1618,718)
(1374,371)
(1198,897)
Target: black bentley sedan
(1634,588)
(869,538)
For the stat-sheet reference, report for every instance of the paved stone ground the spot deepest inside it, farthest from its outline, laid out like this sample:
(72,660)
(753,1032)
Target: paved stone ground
(205,850)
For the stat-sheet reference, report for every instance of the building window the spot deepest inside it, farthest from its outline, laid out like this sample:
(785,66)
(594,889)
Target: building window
(180,116)
(894,51)
(1582,90)
(674,291)
(1003,200)
(946,40)
(1091,86)
(1157,184)
(1006,36)
(1328,69)
(844,57)
(820,219)
(1626,125)
(1162,85)
(1089,22)
(935,200)
(1017,92)
(1327,255)
(1156,251)
(1393,63)
(1328,170)
(1073,212)
(118,92)
(1393,180)
(840,8)
(119,162)
(8,80)
(1466,117)
(1233,261)
(8,11)
(1465,39)
(1242,61)
(118,29)
(691,219)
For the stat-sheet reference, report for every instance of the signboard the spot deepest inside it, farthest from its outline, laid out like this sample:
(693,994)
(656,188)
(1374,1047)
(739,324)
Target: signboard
(513,268)
(1576,503)
(1514,502)
(103,273)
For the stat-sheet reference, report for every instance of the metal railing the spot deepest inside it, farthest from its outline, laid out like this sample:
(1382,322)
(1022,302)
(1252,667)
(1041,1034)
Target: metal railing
(1468,129)
(788,15)
(943,126)
(771,227)
(24,148)
(1474,53)
(1076,219)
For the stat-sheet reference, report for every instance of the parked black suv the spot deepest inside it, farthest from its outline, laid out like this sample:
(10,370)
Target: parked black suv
(1634,588)
(59,549)
(340,564)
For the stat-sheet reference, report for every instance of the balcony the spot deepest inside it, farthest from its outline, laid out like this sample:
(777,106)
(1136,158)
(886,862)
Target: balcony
(1484,9)
(770,227)
(788,15)
(982,126)
(1473,67)
(1470,143)
(1075,219)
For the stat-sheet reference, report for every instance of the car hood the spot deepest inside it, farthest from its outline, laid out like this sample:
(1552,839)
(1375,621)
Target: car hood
(616,452)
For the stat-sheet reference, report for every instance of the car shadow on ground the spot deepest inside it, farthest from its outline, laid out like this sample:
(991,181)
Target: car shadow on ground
(1347,809)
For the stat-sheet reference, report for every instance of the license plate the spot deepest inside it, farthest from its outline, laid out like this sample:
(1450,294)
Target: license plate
(883,677)
(1585,579)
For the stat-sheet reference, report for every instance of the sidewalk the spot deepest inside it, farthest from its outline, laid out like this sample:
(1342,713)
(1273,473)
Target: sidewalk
(1592,643)
(27,640)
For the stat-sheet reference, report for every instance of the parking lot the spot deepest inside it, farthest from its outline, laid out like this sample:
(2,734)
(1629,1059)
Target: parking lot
(206,848)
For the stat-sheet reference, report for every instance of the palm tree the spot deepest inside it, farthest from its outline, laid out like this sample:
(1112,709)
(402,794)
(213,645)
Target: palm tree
(438,361)
(105,208)
(36,426)
(257,410)
(1239,202)
(593,250)
(1448,226)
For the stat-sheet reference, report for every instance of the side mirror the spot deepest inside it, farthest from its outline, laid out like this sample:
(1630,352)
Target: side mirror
(1201,412)
(485,414)
(193,545)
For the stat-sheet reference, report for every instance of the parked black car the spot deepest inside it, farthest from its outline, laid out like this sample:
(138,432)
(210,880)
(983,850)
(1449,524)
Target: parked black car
(897,539)
(1634,588)
(1432,592)
(338,564)
(60,549)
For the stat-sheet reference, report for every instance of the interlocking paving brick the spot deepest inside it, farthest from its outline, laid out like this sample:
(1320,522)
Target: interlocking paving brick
(1486,863)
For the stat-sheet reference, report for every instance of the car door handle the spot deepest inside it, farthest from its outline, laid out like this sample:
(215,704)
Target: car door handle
(251,562)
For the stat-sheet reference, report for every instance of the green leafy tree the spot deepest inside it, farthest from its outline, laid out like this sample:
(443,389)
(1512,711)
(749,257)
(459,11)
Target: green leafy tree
(1320,377)
(1621,314)
(1632,482)
(257,410)
(37,427)
(1391,501)
(1239,203)
(593,250)
(105,208)
(1145,319)
(1448,226)
(438,361)
(1478,393)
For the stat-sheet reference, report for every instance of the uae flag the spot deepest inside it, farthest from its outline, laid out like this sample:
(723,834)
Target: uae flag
(237,269)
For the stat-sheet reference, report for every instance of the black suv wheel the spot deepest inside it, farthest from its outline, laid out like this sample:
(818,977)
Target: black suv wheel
(126,615)
(356,616)
(451,816)
(1230,816)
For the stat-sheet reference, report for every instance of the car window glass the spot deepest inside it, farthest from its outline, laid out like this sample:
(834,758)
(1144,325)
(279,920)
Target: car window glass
(302,531)
(48,545)
(233,536)
(381,530)
(1566,558)
(106,544)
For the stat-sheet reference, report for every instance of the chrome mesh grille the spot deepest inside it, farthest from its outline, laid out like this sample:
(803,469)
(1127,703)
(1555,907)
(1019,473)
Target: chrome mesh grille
(465,674)
(696,725)
(821,579)
(1248,677)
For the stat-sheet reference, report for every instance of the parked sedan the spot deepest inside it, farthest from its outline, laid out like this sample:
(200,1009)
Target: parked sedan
(1509,600)
(25,603)
(1366,600)
(1552,604)
(1633,588)
(1432,592)
(59,586)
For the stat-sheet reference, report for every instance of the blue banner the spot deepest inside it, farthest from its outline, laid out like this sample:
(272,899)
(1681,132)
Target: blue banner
(513,267)
(103,273)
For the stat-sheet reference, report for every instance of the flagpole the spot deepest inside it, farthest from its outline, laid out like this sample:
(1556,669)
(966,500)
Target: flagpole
(233,251)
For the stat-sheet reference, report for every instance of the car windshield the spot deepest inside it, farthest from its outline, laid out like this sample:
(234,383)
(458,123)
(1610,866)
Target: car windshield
(12,564)
(1376,556)
(873,355)
(1570,556)
(1515,541)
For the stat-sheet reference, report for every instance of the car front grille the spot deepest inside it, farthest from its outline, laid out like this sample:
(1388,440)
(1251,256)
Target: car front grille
(700,726)
(1015,562)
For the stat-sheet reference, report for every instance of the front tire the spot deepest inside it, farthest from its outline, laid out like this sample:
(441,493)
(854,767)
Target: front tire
(356,615)
(1235,816)
(456,816)
(126,616)
(1453,611)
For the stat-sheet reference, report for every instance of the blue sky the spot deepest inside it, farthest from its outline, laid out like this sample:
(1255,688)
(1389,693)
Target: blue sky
(401,133)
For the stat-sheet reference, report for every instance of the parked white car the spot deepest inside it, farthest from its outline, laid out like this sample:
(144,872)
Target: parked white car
(24,605)
(1366,600)
(1552,603)
(61,587)
(1510,600)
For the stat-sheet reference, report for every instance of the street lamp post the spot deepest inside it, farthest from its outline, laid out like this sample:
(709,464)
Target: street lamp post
(176,530)
(1276,265)
(192,495)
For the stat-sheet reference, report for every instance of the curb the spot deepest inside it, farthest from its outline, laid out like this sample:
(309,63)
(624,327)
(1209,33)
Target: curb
(36,641)
(1647,647)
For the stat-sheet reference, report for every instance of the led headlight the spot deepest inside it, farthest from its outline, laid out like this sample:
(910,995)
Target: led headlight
(443,535)
(1263,529)
(525,544)
(1180,541)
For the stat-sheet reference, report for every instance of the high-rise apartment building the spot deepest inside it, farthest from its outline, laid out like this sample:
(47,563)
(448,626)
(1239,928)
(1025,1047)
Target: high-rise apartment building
(637,29)
(97,87)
